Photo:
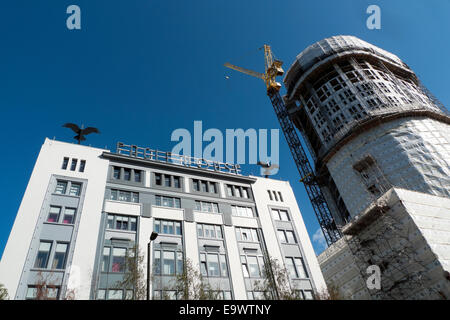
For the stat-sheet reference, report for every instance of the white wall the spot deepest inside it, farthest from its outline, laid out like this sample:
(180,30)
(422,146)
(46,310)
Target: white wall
(49,162)
(263,202)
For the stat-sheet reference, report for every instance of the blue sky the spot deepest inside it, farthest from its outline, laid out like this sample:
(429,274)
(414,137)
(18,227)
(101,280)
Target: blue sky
(139,69)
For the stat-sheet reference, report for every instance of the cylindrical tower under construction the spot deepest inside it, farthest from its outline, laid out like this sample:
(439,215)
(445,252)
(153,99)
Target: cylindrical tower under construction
(369,124)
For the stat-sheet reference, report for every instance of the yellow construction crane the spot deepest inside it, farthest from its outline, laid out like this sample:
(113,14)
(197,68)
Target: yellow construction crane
(272,70)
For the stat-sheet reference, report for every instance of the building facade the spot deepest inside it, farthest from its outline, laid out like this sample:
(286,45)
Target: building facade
(381,146)
(86,209)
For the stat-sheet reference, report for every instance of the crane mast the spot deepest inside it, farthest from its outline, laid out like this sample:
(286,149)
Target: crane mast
(318,201)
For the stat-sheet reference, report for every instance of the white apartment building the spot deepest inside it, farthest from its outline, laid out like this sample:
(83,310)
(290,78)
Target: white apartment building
(85,207)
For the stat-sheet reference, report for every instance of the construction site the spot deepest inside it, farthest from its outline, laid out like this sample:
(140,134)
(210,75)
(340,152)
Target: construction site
(378,170)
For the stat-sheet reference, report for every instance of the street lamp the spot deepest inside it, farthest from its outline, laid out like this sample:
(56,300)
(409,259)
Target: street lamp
(153,236)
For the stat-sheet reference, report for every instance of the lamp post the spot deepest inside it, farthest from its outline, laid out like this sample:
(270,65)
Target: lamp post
(153,236)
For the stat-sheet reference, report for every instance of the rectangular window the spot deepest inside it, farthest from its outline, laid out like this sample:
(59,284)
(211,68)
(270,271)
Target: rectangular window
(116,172)
(168,202)
(253,266)
(300,266)
(43,254)
(179,263)
(290,237)
(168,227)
(127,174)
(213,265)
(282,236)
(157,226)
(244,267)
(291,268)
(178,228)
(82,165)
(275,195)
(167,181)
(280,196)
(245,192)
(69,215)
(195,185)
(199,230)
(212,187)
(61,187)
(223,266)
(118,260)
(73,166)
(270,195)
(157,262)
(114,294)
(242,211)
(53,215)
(105,259)
(168,262)
(176,182)
(281,215)
(65,163)
(206,206)
(158,179)
(203,264)
(59,259)
(133,224)
(238,192)
(204,185)
(31,293)
(75,189)
(230,191)
(101,294)
(137,175)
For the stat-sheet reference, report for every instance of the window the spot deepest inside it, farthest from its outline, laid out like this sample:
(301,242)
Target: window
(287,236)
(242,211)
(118,260)
(101,294)
(206,206)
(116,172)
(168,202)
(179,263)
(270,195)
(252,266)
(300,266)
(65,163)
(212,187)
(157,262)
(282,236)
(167,181)
(53,215)
(290,237)
(126,174)
(230,191)
(213,265)
(114,294)
(75,189)
(209,231)
(43,254)
(281,215)
(73,166)
(59,260)
(50,292)
(204,185)
(69,215)
(82,165)
(105,259)
(176,182)
(308,295)
(245,193)
(168,227)
(275,195)
(247,234)
(238,192)
(158,179)
(168,262)
(280,196)
(118,222)
(137,176)
(295,267)
(195,185)
(61,187)
(127,196)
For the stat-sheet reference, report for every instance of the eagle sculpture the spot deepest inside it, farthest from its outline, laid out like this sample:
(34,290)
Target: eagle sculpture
(81,132)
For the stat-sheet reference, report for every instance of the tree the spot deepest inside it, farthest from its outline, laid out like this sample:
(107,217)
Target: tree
(3,293)
(275,283)
(191,285)
(134,277)
(331,293)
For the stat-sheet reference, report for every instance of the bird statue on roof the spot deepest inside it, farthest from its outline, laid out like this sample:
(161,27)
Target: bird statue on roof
(268,168)
(81,132)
